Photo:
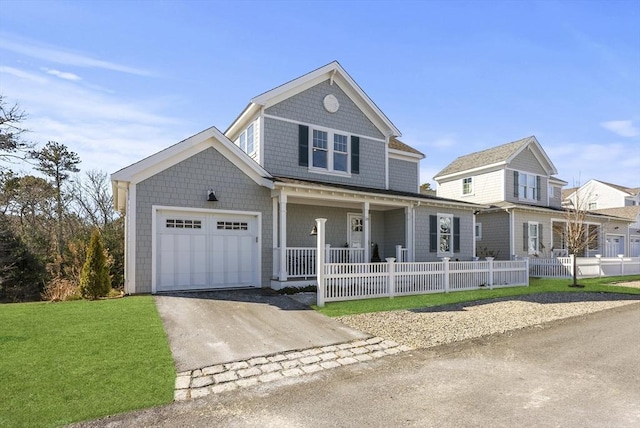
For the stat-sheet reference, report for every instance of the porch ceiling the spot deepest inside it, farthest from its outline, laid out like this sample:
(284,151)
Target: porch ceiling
(355,204)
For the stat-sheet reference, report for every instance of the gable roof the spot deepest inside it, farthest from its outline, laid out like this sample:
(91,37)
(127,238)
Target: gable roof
(396,144)
(500,155)
(631,212)
(630,190)
(157,162)
(332,71)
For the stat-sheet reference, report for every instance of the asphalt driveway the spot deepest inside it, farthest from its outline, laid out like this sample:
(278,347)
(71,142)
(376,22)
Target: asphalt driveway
(213,327)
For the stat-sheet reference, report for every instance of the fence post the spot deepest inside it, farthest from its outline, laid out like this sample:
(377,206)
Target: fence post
(621,256)
(445,266)
(490,260)
(599,260)
(399,253)
(391,272)
(320,260)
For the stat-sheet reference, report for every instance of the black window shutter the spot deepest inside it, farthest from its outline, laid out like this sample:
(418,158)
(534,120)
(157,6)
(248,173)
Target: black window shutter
(515,184)
(538,192)
(433,233)
(355,155)
(456,234)
(540,246)
(525,236)
(303,145)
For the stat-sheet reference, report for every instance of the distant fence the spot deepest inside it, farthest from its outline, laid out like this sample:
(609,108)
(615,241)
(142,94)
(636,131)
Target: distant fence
(350,281)
(561,267)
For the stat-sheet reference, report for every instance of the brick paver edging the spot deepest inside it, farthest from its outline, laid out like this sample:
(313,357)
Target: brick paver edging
(239,374)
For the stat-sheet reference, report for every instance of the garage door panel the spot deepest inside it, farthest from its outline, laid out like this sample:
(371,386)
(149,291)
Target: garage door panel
(220,252)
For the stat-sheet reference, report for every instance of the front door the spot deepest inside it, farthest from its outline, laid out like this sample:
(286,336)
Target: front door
(355,235)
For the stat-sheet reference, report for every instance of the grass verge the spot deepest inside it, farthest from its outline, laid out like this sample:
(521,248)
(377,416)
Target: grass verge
(72,361)
(536,285)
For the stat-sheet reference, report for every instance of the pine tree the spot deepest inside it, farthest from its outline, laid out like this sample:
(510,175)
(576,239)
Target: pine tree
(94,279)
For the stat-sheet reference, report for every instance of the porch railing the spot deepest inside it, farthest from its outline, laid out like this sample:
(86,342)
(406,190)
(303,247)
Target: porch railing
(301,261)
(366,280)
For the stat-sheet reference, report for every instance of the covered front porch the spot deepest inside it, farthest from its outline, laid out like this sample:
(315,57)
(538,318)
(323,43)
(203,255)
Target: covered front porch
(361,228)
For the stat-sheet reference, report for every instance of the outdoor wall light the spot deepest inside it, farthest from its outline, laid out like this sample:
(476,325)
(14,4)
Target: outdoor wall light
(211,196)
(314,231)
(616,228)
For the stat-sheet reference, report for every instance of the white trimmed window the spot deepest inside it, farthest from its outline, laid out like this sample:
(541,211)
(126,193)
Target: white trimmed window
(478,231)
(533,237)
(329,151)
(320,149)
(444,234)
(526,186)
(340,152)
(246,140)
(592,206)
(467,186)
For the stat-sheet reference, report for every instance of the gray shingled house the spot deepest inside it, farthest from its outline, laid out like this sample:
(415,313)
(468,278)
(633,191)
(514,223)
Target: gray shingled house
(524,216)
(235,209)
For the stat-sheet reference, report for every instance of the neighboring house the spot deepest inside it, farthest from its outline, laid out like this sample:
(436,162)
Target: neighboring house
(235,209)
(596,195)
(611,199)
(525,216)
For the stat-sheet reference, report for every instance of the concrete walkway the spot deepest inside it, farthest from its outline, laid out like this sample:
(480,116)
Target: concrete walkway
(206,329)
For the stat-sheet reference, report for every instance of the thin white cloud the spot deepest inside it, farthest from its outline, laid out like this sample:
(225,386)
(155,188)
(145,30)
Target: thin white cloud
(21,74)
(62,74)
(62,56)
(579,162)
(623,128)
(107,131)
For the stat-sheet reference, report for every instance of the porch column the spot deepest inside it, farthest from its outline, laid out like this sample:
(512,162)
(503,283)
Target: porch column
(366,229)
(409,214)
(282,229)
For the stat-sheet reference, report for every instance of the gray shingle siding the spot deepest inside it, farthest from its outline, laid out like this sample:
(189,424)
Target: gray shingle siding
(185,185)
(394,232)
(403,175)
(495,236)
(422,253)
(308,107)
(281,157)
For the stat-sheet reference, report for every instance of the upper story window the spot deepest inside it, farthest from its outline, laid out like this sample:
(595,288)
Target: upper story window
(340,152)
(526,186)
(551,191)
(328,151)
(320,149)
(592,206)
(467,186)
(246,140)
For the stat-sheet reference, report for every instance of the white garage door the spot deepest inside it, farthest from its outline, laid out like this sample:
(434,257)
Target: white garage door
(203,251)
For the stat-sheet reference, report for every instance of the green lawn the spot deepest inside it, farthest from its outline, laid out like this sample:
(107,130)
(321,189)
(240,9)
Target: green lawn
(71,361)
(536,285)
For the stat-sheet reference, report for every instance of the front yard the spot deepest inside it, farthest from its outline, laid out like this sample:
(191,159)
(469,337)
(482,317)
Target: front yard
(71,361)
(536,286)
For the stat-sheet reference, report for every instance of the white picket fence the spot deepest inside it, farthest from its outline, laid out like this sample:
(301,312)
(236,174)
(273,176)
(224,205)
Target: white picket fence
(350,281)
(561,267)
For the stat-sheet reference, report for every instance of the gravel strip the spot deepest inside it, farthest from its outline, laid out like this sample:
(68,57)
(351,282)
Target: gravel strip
(422,328)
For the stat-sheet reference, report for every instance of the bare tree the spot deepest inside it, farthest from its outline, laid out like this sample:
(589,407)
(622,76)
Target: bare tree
(579,234)
(92,196)
(12,146)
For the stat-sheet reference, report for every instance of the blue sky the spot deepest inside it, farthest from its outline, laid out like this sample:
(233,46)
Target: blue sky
(117,81)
